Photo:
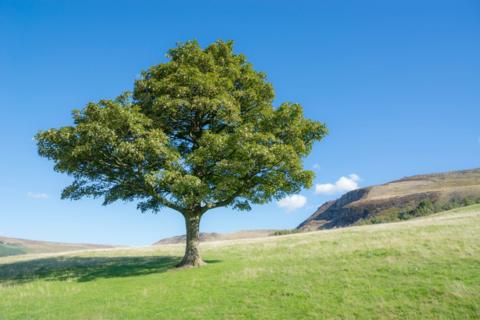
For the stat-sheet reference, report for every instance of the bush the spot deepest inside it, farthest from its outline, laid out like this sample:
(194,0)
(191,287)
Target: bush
(425,207)
(285,232)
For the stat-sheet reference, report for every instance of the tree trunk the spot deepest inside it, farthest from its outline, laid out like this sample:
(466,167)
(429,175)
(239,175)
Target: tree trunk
(192,253)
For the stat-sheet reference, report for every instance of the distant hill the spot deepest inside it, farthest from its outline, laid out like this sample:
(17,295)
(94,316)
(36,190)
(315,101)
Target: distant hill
(398,200)
(213,236)
(14,246)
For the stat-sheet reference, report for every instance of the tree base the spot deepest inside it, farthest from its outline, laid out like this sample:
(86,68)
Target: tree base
(191,263)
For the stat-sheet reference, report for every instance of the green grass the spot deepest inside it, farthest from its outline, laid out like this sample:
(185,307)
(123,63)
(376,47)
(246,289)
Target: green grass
(426,268)
(9,250)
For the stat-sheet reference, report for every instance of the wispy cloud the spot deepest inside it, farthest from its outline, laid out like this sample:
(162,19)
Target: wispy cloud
(344,184)
(37,196)
(316,166)
(292,203)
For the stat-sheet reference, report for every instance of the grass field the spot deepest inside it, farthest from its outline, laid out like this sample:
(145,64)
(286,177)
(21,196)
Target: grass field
(427,268)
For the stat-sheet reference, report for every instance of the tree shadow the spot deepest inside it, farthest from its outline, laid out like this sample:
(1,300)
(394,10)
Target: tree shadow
(83,269)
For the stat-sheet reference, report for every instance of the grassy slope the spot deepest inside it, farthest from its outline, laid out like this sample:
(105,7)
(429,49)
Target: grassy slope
(424,268)
(9,250)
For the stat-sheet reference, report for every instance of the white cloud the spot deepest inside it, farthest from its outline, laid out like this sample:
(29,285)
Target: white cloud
(37,196)
(344,184)
(292,203)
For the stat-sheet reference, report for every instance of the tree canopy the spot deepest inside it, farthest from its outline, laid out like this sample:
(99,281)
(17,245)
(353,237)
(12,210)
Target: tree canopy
(198,132)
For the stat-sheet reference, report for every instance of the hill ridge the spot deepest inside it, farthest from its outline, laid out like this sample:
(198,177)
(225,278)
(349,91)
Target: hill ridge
(398,198)
(15,246)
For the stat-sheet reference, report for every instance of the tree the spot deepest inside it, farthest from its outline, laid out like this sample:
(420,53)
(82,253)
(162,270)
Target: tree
(198,133)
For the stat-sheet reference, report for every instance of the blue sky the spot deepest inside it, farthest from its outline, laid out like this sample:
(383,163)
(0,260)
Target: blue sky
(397,83)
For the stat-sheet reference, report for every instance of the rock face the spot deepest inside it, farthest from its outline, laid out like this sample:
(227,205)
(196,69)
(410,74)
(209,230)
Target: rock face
(386,201)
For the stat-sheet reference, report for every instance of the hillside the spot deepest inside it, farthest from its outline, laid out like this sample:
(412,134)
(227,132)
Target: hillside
(14,246)
(214,236)
(425,268)
(398,200)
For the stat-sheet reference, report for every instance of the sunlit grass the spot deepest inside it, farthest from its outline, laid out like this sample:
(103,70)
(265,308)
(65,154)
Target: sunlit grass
(424,268)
